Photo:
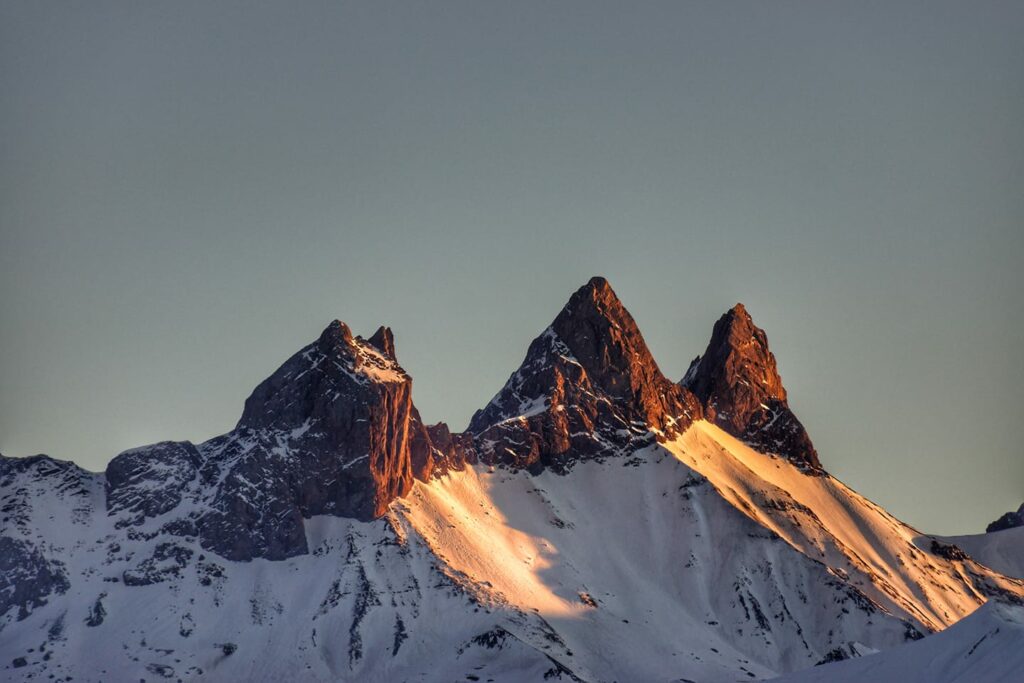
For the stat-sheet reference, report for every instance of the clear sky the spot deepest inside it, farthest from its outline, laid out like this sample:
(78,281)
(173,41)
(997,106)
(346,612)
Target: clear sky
(191,191)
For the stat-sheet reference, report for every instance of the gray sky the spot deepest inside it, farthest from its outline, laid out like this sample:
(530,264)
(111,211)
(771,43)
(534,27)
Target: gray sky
(189,192)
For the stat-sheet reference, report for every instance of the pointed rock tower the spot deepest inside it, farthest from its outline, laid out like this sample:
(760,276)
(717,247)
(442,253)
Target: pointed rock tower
(740,390)
(333,431)
(588,387)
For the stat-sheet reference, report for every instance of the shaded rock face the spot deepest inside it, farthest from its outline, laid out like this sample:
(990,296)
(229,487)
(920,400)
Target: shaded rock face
(149,481)
(588,387)
(27,578)
(1008,521)
(23,479)
(344,406)
(740,390)
(332,432)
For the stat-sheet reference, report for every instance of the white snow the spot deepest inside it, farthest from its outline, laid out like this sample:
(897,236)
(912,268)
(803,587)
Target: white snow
(697,559)
(984,647)
(1000,550)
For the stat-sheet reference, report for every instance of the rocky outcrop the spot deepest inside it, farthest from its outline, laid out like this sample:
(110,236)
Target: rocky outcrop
(149,481)
(332,432)
(739,387)
(27,578)
(588,387)
(343,405)
(437,451)
(1010,520)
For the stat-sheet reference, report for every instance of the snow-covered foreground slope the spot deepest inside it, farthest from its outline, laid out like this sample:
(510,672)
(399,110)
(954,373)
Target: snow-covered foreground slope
(986,646)
(1000,550)
(699,559)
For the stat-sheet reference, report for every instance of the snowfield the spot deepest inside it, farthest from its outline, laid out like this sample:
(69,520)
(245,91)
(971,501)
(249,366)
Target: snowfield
(698,559)
(1000,550)
(986,646)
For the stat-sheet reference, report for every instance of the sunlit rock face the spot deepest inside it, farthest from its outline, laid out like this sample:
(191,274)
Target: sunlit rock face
(344,406)
(738,384)
(332,432)
(588,387)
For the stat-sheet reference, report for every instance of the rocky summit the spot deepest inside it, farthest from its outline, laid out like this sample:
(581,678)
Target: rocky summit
(588,387)
(332,432)
(740,390)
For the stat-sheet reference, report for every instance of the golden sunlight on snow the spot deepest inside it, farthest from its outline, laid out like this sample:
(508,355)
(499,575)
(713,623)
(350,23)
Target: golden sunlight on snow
(829,522)
(456,516)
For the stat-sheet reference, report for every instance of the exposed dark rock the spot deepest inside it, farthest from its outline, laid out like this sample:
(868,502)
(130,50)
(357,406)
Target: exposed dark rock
(1010,520)
(149,481)
(740,389)
(97,613)
(451,451)
(839,654)
(332,432)
(384,341)
(948,551)
(588,387)
(166,563)
(21,478)
(27,577)
(345,408)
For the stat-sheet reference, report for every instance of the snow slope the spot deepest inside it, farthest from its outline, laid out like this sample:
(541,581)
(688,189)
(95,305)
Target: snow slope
(699,559)
(986,646)
(893,563)
(1000,550)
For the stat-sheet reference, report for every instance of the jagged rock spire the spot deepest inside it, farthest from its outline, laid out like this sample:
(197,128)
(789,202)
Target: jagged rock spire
(588,387)
(739,386)
(384,341)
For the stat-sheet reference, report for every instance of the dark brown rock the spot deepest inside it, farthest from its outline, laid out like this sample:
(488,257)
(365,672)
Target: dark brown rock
(738,384)
(588,387)
(345,405)
(333,431)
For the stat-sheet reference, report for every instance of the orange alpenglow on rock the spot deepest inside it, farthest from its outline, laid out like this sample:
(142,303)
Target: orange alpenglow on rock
(739,387)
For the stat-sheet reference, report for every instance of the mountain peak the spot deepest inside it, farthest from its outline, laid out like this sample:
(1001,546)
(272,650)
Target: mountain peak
(738,383)
(589,386)
(335,333)
(384,341)
(596,299)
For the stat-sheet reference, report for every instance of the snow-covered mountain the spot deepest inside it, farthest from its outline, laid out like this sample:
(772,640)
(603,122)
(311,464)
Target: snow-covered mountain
(985,646)
(1001,547)
(596,522)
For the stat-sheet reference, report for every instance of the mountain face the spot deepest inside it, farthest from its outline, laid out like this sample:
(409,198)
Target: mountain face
(983,647)
(588,387)
(740,390)
(1001,547)
(596,522)
(1003,551)
(332,432)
